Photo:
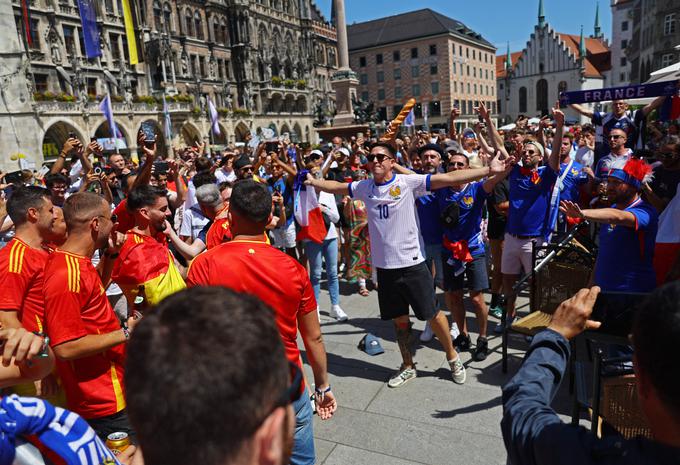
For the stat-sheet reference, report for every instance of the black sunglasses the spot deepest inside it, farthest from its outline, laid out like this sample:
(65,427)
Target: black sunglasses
(380,157)
(615,136)
(666,154)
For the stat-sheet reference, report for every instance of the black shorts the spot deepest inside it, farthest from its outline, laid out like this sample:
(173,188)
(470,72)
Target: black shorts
(116,423)
(400,287)
(475,272)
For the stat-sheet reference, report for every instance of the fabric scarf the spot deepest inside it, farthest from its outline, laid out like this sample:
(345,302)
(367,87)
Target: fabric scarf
(535,178)
(460,254)
(62,431)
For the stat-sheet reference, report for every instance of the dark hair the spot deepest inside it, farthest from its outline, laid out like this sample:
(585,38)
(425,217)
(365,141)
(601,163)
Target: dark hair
(251,200)
(143,196)
(509,147)
(655,334)
(82,206)
(587,128)
(202,371)
(390,148)
(428,147)
(22,199)
(202,178)
(225,185)
(203,164)
(56,178)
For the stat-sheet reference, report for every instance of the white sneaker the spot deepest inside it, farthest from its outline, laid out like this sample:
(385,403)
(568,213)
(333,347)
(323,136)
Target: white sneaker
(401,377)
(427,334)
(338,313)
(318,314)
(457,371)
(454,330)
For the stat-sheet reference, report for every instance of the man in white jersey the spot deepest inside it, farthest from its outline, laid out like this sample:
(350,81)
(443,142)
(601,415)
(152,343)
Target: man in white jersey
(396,248)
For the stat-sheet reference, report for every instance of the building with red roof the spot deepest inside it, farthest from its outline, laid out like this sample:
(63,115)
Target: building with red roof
(530,81)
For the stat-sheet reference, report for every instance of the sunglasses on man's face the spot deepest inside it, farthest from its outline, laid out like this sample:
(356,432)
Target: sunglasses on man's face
(666,154)
(530,152)
(380,157)
(616,136)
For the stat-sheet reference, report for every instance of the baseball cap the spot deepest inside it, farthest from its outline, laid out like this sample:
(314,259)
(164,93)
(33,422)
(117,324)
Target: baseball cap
(454,147)
(242,162)
(371,345)
(434,147)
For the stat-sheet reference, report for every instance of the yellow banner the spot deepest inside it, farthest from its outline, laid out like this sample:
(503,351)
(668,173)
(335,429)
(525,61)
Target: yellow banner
(130,32)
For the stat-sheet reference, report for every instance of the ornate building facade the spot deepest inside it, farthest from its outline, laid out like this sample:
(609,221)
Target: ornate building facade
(263,63)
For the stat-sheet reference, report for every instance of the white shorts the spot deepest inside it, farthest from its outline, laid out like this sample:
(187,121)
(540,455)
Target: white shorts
(517,254)
(284,238)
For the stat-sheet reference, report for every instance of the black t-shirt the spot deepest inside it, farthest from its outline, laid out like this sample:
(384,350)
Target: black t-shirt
(501,193)
(665,182)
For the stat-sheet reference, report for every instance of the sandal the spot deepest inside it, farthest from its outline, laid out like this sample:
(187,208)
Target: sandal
(363,291)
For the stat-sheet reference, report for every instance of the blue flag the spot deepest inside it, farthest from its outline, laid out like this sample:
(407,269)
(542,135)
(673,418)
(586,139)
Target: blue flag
(107,109)
(656,89)
(88,17)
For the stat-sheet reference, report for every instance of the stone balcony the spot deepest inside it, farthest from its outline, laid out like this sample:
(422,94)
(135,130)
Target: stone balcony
(77,108)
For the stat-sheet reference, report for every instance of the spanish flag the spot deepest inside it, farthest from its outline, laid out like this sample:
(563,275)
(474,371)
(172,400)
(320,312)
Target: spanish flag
(130,32)
(146,261)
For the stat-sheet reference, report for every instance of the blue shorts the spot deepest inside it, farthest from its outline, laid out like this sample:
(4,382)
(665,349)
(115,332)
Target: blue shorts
(475,272)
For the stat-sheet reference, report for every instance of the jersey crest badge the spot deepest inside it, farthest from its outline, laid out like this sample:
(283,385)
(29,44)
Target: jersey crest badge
(468,200)
(395,192)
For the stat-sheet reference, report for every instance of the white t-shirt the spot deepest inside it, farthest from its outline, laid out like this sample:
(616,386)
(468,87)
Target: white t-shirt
(193,222)
(223,176)
(392,220)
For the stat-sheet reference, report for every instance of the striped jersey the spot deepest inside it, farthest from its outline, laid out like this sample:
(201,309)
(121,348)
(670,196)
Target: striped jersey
(76,305)
(21,282)
(392,220)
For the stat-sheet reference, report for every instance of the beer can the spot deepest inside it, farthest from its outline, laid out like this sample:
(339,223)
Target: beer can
(117,442)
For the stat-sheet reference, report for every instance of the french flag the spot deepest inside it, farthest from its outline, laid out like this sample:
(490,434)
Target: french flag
(667,247)
(308,211)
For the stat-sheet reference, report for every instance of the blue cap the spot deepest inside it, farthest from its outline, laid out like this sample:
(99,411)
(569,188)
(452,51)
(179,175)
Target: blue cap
(371,345)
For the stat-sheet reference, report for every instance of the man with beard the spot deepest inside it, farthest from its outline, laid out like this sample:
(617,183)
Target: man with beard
(84,332)
(617,143)
(531,186)
(628,232)
(396,248)
(431,156)
(230,405)
(145,268)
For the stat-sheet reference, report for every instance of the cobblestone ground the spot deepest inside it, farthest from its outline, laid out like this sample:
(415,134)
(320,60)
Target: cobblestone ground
(430,420)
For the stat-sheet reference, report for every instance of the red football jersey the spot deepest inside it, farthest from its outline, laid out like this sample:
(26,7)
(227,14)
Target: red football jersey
(256,268)
(218,233)
(126,221)
(21,282)
(75,306)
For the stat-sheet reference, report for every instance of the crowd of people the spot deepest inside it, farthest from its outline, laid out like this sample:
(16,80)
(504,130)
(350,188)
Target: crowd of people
(98,253)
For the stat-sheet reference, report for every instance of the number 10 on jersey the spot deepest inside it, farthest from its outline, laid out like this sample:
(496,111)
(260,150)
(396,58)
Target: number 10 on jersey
(383,211)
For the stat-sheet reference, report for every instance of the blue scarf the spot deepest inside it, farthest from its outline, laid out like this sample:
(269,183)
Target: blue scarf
(62,431)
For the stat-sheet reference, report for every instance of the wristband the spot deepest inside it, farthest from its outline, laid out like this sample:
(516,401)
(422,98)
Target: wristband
(46,343)
(126,331)
(322,392)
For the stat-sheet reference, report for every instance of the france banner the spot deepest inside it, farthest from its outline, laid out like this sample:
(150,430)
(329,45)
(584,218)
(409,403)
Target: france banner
(88,17)
(656,89)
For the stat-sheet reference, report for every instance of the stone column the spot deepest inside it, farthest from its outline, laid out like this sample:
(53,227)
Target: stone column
(343,49)
(344,80)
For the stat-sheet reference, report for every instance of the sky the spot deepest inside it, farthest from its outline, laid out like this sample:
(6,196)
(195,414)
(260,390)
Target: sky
(499,21)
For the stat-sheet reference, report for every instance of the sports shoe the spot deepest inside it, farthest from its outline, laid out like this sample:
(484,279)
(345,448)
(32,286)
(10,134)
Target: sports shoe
(457,371)
(496,311)
(462,343)
(455,332)
(338,313)
(499,327)
(403,376)
(427,334)
(318,314)
(482,349)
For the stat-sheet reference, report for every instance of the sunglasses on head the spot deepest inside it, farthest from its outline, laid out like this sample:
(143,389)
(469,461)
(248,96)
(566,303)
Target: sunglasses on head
(380,157)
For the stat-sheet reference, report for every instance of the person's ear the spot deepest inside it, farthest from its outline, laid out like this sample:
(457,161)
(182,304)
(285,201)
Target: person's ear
(268,440)
(145,213)
(32,215)
(94,224)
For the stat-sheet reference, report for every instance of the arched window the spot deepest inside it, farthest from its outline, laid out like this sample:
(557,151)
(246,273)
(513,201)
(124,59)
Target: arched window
(189,23)
(522,99)
(223,32)
(167,17)
(542,96)
(198,23)
(157,16)
(562,87)
(216,30)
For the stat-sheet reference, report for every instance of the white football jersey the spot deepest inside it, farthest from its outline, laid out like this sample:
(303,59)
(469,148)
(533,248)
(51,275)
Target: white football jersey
(392,219)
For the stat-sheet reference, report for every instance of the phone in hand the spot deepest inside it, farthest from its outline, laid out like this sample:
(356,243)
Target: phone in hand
(271,147)
(616,311)
(149,134)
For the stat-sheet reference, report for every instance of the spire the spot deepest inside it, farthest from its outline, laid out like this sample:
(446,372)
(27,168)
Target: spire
(508,60)
(597,21)
(541,14)
(582,46)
